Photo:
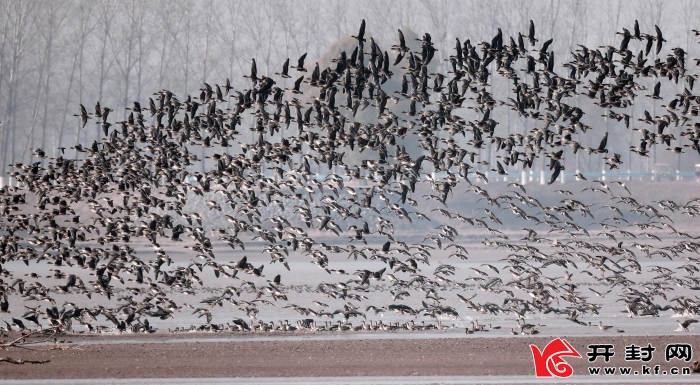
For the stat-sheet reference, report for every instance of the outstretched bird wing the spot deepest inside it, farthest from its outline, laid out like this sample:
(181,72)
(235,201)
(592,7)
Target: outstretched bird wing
(603,143)
(555,174)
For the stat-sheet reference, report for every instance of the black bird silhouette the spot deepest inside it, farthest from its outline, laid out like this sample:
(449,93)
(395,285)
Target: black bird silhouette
(401,47)
(83,116)
(531,34)
(657,90)
(659,39)
(253,72)
(684,325)
(557,167)
(603,143)
(361,35)
(285,70)
(297,84)
(300,64)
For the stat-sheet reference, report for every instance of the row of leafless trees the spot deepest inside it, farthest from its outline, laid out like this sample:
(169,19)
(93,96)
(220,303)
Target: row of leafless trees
(55,54)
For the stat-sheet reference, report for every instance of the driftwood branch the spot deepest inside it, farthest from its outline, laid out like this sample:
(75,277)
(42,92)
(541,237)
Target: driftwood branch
(21,361)
(19,342)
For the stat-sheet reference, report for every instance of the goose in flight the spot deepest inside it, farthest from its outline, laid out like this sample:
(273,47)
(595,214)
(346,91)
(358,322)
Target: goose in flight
(686,323)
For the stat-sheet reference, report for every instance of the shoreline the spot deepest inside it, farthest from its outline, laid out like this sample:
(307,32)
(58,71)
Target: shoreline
(148,356)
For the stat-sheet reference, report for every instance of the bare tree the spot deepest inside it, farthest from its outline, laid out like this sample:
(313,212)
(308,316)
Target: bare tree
(260,33)
(57,15)
(107,15)
(21,31)
(85,28)
(56,54)
(126,44)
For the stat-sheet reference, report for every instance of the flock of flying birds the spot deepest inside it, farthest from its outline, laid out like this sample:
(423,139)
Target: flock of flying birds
(137,182)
